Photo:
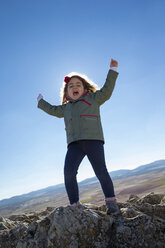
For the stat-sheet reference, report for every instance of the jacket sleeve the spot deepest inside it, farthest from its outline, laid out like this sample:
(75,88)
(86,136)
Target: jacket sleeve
(57,111)
(105,92)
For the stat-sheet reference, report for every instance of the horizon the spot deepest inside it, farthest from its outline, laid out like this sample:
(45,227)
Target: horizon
(42,42)
(78,181)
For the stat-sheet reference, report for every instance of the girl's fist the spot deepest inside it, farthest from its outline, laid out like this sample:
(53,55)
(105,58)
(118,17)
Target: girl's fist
(113,63)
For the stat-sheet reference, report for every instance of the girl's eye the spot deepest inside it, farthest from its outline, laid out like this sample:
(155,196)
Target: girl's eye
(78,85)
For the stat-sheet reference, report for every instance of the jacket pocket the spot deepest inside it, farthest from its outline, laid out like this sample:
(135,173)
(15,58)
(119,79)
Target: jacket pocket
(89,124)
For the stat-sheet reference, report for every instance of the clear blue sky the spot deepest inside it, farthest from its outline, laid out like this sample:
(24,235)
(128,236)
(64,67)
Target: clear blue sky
(41,42)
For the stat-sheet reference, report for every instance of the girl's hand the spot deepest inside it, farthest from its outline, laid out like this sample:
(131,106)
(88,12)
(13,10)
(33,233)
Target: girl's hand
(39,97)
(113,63)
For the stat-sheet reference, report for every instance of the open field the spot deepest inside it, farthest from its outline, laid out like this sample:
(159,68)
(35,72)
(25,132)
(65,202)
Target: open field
(90,192)
(138,185)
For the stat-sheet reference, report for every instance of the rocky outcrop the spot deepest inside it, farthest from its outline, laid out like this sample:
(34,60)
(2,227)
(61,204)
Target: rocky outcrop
(140,224)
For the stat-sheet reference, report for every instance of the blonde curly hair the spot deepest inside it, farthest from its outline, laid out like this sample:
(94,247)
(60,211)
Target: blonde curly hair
(89,86)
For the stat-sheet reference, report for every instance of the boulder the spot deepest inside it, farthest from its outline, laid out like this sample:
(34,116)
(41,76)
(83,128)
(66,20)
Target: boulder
(140,224)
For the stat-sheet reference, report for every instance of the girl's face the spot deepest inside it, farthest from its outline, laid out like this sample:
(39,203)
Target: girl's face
(75,88)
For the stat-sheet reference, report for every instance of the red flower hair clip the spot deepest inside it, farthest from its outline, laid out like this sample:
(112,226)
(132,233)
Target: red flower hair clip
(66,79)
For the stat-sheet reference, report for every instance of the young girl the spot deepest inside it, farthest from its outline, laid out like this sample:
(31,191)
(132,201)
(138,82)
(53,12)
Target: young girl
(81,111)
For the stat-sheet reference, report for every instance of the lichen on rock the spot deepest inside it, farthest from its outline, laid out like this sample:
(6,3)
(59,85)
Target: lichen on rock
(140,224)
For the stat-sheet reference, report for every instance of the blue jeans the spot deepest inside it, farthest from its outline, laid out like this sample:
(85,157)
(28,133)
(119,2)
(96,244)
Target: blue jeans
(95,152)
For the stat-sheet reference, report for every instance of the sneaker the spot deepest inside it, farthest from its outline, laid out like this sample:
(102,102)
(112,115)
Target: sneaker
(112,207)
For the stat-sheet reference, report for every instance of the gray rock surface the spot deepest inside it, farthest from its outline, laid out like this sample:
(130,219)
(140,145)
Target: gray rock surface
(140,224)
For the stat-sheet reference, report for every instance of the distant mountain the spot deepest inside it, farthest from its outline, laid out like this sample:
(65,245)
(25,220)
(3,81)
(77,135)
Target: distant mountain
(32,195)
(119,174)
(56,195)
(143,169)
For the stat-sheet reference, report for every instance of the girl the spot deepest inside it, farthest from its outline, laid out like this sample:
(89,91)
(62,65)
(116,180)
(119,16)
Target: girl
(80,109)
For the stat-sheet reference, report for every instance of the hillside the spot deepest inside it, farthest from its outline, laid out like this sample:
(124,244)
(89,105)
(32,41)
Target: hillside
(141,180)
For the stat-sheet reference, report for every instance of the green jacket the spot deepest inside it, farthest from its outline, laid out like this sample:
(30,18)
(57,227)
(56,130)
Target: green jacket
(82,116)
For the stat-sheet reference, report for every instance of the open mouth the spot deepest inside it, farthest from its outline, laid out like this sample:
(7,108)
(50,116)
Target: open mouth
(75,93)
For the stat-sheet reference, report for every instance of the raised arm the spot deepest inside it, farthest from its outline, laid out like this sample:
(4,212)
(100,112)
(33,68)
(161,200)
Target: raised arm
(57,111)
(105,92)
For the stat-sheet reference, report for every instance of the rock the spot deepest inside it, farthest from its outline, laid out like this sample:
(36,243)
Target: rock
(138,232)
(133,198)
(1,219)
(129,212)
(159,211)
(69,227)
(151,199)
(163,201)
(141,224)
(19,218)
(6,224)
